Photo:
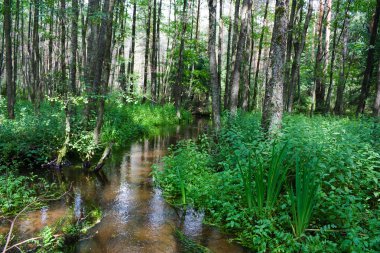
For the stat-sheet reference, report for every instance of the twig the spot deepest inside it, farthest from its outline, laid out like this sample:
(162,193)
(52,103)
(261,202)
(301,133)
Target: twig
(28,240)
(331,230)
(23,210)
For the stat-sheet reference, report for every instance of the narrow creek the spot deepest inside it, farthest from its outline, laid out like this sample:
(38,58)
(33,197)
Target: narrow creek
(136,217)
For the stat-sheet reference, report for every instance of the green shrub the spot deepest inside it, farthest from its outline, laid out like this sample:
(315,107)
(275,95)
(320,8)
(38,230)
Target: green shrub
(330,202)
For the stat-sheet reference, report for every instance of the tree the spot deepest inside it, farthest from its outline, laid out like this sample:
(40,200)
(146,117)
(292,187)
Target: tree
(298,45)
(235,78)
(74,46)
(255,85)
(273,100)
(215,85)
(11,93)
(366,83)
(376,105)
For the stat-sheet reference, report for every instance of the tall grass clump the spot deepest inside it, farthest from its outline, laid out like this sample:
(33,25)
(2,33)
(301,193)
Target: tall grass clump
(303,198)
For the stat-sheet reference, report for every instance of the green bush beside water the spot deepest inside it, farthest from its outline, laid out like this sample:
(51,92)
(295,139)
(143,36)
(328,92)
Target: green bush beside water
(314,188)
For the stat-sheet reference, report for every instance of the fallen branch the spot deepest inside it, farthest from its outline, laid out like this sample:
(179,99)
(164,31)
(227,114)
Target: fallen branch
(28,240)
(103,158)
(22,211)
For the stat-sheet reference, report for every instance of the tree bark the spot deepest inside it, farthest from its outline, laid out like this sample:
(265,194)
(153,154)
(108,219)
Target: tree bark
(63,47)
(256,82)
(273,100)
(376,105)
(299,45)
(366,83)
(318,69)
(178,84)
(153,58)
(235,78)
(289,47)
(338,109)
(215,85)
(8,58)
(227,80)
(146,57)
(103,63)
(74,47)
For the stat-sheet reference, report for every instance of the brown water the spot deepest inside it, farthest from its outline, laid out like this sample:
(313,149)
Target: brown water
(136,217)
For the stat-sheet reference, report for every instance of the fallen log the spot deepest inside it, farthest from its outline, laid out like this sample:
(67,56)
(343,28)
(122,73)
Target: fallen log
(103,158)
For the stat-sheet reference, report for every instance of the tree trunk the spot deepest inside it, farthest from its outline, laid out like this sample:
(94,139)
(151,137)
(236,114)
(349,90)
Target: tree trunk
(220,43)
(63,47)
(91,54)
(215,86)
(376,105)
(131,63)
(273,100)
(36,93)
(153,58)
(227,80)
(103,63)
(289,46)
(178,84)
(8,58)
(366,83)
(338,109)
(235,78)
(318,69)
(256,82)
(245,92)
(299,45)
(146,57)
(74,47)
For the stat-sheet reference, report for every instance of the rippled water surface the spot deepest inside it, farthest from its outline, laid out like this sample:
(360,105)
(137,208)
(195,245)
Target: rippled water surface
(136,217)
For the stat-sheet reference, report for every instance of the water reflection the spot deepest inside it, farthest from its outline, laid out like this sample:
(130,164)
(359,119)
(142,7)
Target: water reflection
(136,217)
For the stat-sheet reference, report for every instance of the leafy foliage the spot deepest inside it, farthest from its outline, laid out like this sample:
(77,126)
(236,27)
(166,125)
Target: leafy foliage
(318,194)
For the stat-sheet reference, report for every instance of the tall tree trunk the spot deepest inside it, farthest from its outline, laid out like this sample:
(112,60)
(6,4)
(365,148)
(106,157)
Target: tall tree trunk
(122,78)
(338,109)
(376,105)
(366,83)
(220,43)
(289,47)
(36,93)
(103,63)
(256,82)
(178,84)
(153,58)
(63,47)
(318,69)
(8,58)
(273,100)
(299,45)
(16,33)
(235,78)
(131,62)
(215,86)
(74,47)
(228,61)
(91,55)
(245,91)
(146,57)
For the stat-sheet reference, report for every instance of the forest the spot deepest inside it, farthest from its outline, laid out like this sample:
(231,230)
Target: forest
(189,126)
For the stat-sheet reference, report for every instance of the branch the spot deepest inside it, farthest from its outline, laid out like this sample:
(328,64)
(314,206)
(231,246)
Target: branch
(23,210)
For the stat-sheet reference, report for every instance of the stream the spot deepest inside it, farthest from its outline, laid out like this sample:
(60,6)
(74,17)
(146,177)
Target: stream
(136,217)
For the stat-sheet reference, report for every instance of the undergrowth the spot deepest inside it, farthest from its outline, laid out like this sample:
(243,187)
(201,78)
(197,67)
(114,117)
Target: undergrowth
(314,188)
